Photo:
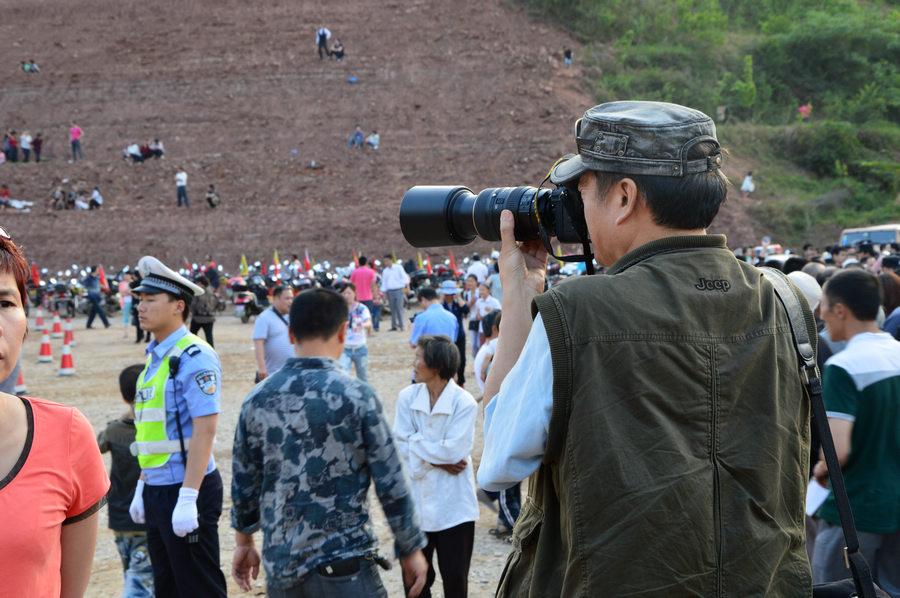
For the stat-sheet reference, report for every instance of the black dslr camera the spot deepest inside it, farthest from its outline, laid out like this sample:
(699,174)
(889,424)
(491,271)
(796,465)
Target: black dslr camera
(432,216)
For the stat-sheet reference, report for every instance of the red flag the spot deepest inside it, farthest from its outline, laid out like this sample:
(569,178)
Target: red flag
(102,276)
(306,265)
(35,277)
(187,266)
(355,258)
(452,263)
(428,264)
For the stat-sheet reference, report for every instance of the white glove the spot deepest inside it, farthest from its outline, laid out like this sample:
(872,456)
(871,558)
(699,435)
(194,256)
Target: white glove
(184,516)
(136,509)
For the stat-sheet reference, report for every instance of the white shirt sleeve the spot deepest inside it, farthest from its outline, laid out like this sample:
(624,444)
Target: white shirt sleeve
(517,420)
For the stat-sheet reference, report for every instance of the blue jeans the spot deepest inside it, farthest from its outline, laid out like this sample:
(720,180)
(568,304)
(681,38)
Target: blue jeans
(359,356)
(136,563)
(96,309)
(76,151)
(182,194)
(364,584)
(126,312)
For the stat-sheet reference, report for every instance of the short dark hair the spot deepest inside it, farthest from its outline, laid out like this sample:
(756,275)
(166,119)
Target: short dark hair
(491,320)
(363,260)
(794,263)
(347,285)
(187,303)
(686,203)
(202,280)
(317,313)
(859,290)
(128,381)
(427,293)
(279,289)
(440,354)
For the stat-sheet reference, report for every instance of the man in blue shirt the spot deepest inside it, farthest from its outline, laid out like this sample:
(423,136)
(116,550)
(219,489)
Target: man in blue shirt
(92,286)
(177,403)
(434,319)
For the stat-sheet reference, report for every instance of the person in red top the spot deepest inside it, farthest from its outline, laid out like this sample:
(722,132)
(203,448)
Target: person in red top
(364,279)
(52,478)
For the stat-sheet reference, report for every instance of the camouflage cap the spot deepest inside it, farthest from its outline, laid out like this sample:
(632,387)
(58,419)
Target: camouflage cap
(649,138)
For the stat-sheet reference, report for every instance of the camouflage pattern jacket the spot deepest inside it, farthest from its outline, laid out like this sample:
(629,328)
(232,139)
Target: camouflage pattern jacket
(308,440)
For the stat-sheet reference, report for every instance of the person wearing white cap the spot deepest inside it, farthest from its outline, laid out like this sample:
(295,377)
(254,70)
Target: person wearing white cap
(179,495)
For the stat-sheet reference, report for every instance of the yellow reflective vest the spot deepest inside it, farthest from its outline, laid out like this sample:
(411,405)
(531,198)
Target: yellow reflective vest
(153,444)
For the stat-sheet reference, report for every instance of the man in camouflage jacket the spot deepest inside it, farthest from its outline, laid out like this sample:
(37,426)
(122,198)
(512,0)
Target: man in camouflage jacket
(307,440)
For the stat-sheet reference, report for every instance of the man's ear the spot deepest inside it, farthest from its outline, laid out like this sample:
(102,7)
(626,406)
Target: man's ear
(342,332)
(291,337)
(627,196)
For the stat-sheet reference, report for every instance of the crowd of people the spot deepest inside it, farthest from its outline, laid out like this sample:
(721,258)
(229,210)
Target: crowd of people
(659,410)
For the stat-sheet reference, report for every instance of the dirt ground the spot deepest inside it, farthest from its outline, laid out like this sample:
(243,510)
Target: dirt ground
(100,355)
(461,92)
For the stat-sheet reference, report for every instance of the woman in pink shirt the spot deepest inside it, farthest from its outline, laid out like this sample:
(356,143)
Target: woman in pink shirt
(52,478)
(75,141)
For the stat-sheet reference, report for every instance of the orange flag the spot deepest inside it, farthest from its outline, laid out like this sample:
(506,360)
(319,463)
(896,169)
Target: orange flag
(355,258)
(102,276)
(452,262)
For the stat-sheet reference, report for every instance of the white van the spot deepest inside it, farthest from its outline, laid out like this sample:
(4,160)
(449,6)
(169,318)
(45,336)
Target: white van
(883,234)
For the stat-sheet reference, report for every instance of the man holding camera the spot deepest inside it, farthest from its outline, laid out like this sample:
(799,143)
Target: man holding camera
(658,409)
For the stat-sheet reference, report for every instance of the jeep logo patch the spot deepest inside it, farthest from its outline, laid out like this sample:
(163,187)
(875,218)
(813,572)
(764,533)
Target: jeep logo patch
(712,285)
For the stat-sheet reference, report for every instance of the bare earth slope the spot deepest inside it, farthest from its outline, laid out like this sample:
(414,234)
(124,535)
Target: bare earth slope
(471,93)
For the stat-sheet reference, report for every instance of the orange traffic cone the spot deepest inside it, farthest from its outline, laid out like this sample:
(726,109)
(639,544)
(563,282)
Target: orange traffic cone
(57,331)
(39,319)
(68,335)
(20,384)
(45,355)
(67,367)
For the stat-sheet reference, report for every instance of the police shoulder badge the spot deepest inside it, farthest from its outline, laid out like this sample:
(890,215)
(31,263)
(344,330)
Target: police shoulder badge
(206,381)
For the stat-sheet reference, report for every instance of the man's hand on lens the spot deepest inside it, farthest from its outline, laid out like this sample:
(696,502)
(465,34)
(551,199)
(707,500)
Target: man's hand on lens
(523,265)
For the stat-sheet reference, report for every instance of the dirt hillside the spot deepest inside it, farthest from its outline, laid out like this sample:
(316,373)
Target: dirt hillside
(472,93)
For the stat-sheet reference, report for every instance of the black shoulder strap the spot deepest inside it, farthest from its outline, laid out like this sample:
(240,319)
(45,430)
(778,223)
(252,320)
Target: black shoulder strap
(800,316)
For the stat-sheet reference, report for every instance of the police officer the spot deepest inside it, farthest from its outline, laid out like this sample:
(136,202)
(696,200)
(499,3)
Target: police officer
(176,412)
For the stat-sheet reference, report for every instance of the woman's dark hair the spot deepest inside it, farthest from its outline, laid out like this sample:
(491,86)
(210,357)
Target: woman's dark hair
(890,283)
(317,313)
(859,290)
(347,285)
(13,262)
(440,354)
(686,203)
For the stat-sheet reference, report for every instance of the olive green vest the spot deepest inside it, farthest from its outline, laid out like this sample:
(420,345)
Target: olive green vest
(677,455)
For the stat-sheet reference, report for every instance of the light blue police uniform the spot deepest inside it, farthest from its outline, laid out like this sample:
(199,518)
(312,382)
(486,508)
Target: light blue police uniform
(197,392)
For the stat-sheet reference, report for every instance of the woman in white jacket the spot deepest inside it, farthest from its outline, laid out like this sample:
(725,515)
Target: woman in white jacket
(434,430)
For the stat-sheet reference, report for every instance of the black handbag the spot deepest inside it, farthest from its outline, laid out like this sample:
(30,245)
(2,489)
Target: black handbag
(861,584)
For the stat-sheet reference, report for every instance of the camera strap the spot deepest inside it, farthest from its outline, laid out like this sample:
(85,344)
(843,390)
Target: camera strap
(800,318)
